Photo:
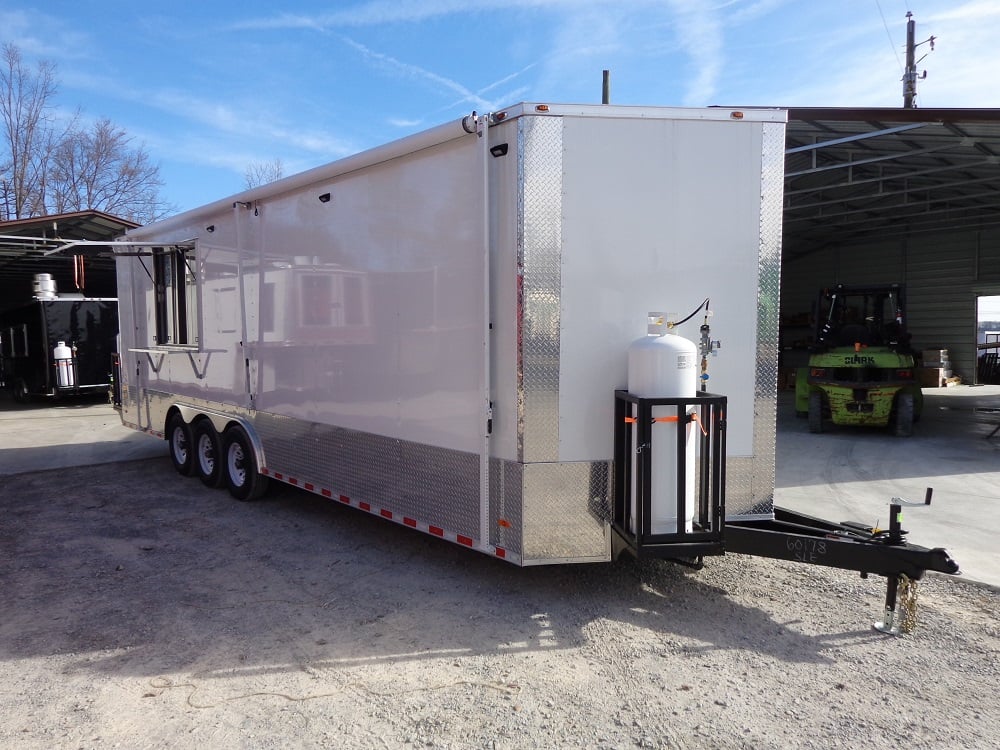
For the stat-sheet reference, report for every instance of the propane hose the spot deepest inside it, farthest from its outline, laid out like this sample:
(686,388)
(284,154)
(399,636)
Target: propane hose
(696,311)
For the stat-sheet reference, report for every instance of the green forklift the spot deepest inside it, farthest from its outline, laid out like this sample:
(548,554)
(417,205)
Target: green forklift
(861,368)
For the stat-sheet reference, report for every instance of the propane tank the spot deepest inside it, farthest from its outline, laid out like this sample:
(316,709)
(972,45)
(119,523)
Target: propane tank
(661,364)
(63,357)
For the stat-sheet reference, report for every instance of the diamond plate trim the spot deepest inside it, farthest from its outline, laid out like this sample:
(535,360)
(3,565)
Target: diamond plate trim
(539,256)
(565,510)
(768,291)
(434,485)
(506,504)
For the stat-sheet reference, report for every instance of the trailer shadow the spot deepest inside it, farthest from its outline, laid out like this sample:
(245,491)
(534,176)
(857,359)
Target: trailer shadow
(128,570)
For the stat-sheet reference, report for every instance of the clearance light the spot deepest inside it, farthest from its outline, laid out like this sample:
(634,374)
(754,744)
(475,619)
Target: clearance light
(541,107)
(817,372)
(500,116)
(736,115)
(904,374)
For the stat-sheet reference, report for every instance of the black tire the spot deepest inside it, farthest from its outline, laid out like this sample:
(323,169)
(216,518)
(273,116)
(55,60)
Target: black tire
(180,444)
(20,392)
(903,423)
(815,412)
(207,447)
(239,465)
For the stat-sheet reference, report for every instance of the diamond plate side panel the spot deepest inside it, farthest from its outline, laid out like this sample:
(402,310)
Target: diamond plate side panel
(506,504)
(766,391)
(739,486)
(434,485)
(539,255)
(565,510)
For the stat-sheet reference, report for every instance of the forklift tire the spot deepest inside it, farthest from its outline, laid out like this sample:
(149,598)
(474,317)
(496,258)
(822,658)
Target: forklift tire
(239,465)
(903,422)
(208,454)
(815,412)
(181,446)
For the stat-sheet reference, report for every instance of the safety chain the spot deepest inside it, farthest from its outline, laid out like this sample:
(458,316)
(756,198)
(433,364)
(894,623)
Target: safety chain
(907,604)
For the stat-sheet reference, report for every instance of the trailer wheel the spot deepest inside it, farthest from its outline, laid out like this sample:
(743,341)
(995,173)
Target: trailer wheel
(903,423)
(179,440)
(815,412)
(208,454)
(240,466)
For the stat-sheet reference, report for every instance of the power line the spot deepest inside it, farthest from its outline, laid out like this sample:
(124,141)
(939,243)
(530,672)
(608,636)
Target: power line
(889,34)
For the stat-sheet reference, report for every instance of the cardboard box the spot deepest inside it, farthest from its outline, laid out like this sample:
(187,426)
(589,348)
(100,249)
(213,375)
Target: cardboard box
(935,358)
(931,377)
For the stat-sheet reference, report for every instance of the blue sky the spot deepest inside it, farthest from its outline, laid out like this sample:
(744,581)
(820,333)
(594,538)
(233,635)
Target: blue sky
(211,87)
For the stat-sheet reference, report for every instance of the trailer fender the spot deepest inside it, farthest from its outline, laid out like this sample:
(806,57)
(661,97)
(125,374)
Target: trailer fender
(220,421)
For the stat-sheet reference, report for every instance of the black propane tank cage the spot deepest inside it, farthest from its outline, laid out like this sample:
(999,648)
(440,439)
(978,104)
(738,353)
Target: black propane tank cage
(700,418)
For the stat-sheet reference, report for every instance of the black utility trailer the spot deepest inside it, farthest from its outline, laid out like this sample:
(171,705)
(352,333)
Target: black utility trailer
(31,334)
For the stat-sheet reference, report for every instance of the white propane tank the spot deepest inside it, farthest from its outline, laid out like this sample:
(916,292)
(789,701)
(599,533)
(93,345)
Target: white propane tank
(662,365)
(63,357)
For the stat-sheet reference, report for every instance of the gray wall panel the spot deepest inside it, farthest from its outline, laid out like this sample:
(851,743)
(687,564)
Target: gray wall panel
(943,274)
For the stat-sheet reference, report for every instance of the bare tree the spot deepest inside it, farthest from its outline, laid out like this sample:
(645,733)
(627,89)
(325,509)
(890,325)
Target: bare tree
(25,116)
(262,172)
(100,169)
(48,170)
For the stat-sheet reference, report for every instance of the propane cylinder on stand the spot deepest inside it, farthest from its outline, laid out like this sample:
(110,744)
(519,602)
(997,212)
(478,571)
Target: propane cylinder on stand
(63,358)
(661,364)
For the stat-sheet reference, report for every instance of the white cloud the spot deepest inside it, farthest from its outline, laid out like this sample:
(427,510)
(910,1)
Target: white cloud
(399,122)
(700,34)
(415,72)
(58,40)
(380,12)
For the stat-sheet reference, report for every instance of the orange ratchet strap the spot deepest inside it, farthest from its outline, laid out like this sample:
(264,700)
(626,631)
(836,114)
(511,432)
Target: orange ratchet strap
(694,418)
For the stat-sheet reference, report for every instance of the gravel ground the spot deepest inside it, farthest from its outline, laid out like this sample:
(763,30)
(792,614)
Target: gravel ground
(141,610)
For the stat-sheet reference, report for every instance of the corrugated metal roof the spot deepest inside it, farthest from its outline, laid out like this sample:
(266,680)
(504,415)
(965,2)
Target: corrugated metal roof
(25,242)
(855,174)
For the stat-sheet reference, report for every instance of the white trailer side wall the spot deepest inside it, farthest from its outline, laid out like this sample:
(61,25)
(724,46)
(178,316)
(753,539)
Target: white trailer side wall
(410,231)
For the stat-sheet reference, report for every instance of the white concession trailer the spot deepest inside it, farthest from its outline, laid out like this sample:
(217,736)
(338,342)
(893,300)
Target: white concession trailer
(433,331)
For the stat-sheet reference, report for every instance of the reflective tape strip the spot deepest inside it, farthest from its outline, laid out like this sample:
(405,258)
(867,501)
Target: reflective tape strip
(462,539)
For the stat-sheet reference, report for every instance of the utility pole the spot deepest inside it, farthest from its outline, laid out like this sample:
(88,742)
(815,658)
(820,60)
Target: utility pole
(910,76)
